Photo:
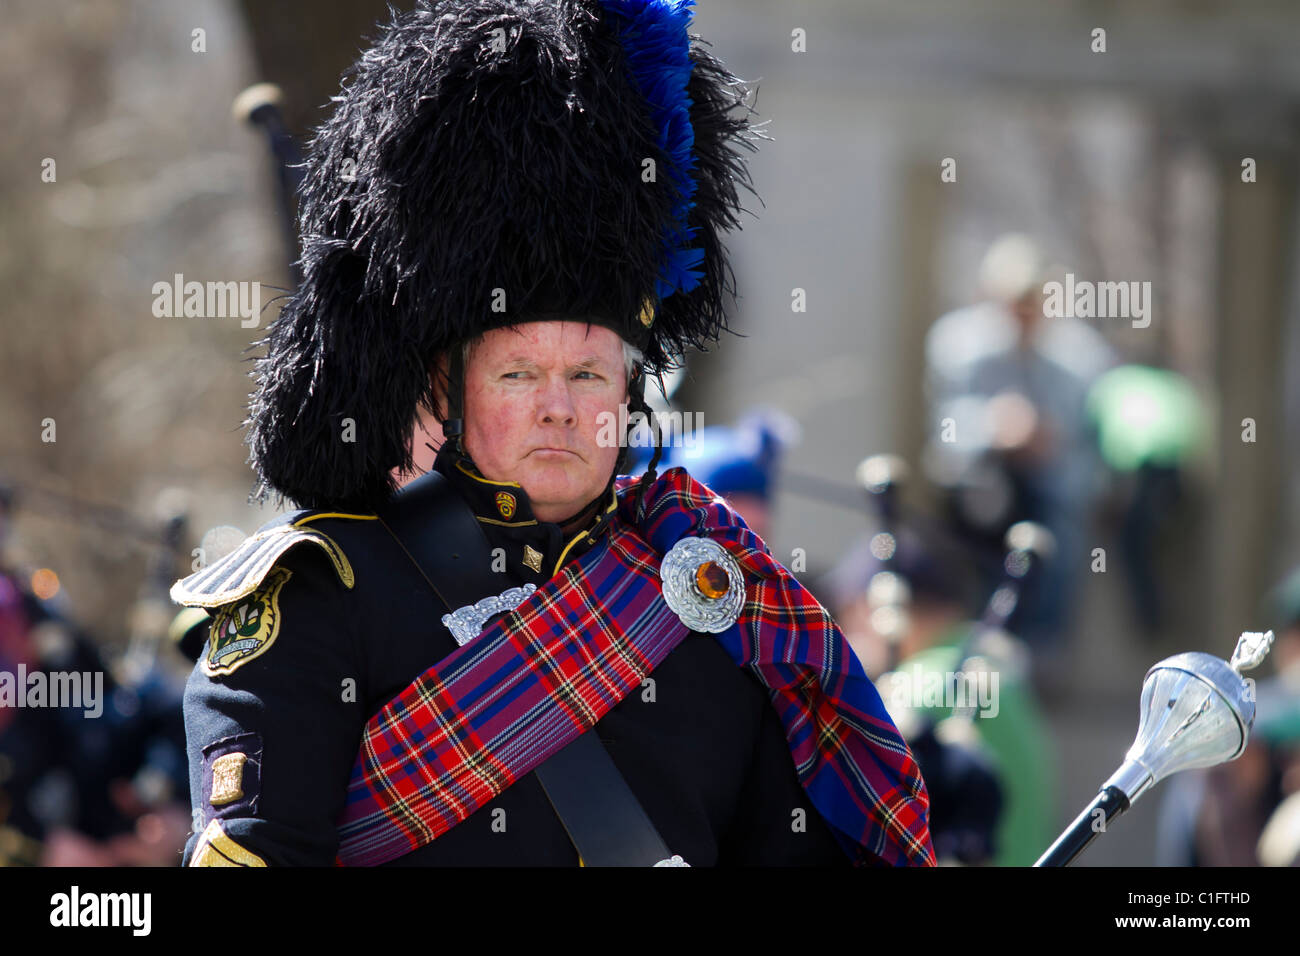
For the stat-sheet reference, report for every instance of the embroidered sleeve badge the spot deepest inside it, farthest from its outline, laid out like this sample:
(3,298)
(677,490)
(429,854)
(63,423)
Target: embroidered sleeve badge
(506,504)
(247,629)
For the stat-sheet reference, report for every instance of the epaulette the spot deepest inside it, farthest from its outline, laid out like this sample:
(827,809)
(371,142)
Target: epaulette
(241,572)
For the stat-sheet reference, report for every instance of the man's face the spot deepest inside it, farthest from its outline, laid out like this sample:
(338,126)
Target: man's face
(535,400)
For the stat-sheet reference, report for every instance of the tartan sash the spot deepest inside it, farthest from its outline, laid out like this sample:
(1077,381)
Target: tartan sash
(496,708)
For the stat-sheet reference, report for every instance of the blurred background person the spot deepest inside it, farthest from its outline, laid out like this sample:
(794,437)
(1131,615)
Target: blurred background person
(905,601)
(1149,423)
(103,784)
(1012,440)
(740,462)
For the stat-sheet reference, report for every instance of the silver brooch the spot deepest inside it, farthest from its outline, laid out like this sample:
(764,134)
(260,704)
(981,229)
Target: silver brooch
(702,584)
(674,860)
(466,623)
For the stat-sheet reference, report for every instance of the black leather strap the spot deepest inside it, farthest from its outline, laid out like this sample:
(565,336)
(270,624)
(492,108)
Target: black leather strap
(599,812)
(440,534)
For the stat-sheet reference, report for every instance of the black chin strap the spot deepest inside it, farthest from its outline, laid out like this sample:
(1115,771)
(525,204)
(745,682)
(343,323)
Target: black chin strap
(453,426)
(637,403)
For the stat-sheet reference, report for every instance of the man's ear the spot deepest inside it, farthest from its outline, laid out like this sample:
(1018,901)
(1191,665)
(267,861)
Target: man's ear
(426,439)
(438,380)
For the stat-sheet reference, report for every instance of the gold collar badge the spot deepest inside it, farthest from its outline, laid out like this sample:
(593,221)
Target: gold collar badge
(533,558)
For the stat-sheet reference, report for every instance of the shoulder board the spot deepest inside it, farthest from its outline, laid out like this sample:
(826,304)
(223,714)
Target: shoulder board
(241,572)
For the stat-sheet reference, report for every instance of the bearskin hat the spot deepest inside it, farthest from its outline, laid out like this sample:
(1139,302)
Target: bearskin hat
(490,162)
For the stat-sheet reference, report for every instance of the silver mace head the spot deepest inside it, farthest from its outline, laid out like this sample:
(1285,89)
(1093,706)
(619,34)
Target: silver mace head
(1196,711)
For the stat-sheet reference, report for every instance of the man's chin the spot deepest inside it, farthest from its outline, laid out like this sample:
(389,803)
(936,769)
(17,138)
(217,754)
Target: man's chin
(555,500)
(548,484)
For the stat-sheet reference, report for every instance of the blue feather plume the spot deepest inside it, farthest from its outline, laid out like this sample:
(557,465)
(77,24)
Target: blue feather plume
(654,37)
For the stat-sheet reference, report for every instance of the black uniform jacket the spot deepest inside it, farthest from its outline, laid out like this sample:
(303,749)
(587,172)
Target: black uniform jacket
(275,709)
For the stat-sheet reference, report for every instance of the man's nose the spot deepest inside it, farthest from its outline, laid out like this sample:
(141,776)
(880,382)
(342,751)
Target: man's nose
(556,407)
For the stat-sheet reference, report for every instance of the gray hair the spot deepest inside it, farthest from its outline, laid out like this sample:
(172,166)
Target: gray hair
(633,357)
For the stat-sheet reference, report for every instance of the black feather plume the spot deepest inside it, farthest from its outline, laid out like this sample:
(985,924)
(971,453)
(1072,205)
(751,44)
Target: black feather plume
(483,165)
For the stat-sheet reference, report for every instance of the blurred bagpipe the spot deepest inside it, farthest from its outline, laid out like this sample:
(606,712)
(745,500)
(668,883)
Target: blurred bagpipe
(260,107)
(936,695)
(113,790)
(1195,711)
(100,778)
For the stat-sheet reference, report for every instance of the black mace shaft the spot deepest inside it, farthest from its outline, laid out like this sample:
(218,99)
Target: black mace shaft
(1107,805)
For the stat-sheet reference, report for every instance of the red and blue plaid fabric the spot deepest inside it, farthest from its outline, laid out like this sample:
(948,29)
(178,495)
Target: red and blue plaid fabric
(492,711)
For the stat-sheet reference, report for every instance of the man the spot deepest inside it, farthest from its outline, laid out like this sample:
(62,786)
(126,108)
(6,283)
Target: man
(1150,426)
(528,228)
(1012,440)
(985,792)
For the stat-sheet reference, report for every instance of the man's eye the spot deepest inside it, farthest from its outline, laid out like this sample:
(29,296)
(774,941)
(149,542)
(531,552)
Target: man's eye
(514,375)
(586,373)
